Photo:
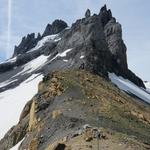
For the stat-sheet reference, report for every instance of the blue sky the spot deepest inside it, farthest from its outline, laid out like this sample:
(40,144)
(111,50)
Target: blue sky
(33,15)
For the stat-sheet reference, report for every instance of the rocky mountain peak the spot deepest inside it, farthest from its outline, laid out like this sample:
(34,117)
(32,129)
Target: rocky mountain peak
(98,38)
(30,41)
(105,14)
(87,13)
(27,43)
(54,28)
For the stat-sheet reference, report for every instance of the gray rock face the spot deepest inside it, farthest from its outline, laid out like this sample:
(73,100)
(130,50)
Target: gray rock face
(6,66)
(113,34)
(26,44)
(54,28)
(31,41)
(88,13)
(105,15)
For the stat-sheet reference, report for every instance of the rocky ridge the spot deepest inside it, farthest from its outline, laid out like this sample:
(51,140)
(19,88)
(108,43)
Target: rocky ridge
(78,108)
(97,37)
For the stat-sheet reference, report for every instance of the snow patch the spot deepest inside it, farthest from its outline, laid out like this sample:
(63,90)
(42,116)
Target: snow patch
(81,57)
(63,54)
(33,65)
(3,84)
(39,62)
(147,85)
(13,101)
(65,60)
(67,28)
(17,146)
(44,40)
(129,87)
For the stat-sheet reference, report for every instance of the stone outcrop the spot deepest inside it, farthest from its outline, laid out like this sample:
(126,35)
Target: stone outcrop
(56,27)
(30,40)
(32,118)
(26,44)
(87,13)
(113,34)
(105,15)
(88,109)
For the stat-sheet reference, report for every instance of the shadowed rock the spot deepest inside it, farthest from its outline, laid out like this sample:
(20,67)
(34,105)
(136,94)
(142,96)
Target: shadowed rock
(88,13)
(26,44)
(54,28)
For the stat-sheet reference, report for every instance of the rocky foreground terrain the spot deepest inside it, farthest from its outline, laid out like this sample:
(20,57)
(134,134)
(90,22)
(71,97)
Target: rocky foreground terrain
(87,98)
(78,110)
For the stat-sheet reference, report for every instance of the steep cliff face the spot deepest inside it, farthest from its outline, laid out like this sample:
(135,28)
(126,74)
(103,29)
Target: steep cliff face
(113,34)
(56,27)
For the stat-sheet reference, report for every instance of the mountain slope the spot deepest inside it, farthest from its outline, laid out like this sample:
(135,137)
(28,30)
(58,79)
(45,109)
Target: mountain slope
(130,87)
(12,101)
(67,101)
(88,55)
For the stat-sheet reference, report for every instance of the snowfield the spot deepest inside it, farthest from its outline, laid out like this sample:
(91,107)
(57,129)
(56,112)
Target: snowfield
(44,40)
(13,101)
(3,84)
(33,65)
(40,62)
(129,87)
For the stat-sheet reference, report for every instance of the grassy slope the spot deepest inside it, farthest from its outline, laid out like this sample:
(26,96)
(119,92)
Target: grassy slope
(125,120)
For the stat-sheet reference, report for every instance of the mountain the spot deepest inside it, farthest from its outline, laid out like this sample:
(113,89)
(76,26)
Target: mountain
(71,86)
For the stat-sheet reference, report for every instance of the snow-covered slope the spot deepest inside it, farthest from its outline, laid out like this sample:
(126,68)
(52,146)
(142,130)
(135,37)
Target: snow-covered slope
(11,60)
(15,99)
(129,87)
(12,102)
(3,84)
(44,40)
(147,85)
(33,65)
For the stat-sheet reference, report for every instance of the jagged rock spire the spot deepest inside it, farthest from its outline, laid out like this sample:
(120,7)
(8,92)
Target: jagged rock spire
(88,13)
(105,14)
(54,28)
(103,9)
(39,36)
(27,43)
